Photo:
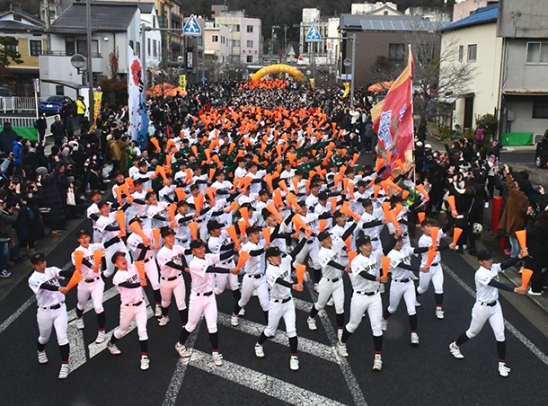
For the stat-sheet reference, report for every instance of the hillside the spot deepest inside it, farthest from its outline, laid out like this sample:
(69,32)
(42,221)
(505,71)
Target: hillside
(30,6)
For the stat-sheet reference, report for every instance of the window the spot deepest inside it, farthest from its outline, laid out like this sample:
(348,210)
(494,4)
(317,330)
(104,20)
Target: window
(154,48)
(131,44)
(237,27)
(223,40)
(236,43)
(79,46)
(59,90)
(148,46)
(461,53)
(138,50)
(35,47)
(472,52)
(11,47)
(214,38)
(540,108)
(396,53)
(249,28)
(537,52)
(249,43)
(153,21)
(249,58)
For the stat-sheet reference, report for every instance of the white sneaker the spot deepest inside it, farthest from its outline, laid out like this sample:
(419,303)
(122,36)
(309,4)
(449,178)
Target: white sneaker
(64,372)
(217,359)
(384,324)
(455,350)
(241,313)
(339,333)
(311,323)
(294,363)
(381,288)
(80,324)
(42,357)
(531,293)
(316,288)
(163,321)
(181,349)
(414,339)
(439,313)
(145,363)
(234,320)
(377,364)
(341,349)
(503,369)
(259,351)
(113,349)
(100,337)
(330,302)
(417,304)
(158,311)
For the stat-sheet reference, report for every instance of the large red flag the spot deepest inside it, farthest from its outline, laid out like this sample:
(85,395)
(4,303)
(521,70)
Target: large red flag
(393,118)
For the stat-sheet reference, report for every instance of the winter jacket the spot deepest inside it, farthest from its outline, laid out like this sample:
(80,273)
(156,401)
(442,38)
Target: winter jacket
(17,152)
(6,222)
(536,245)
(49,199)
(7,137)
(515,211)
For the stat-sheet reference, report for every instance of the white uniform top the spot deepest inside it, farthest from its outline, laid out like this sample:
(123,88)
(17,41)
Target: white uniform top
(134,240)
(243,199)
(139,209)
(301,190)
(331,254)
(202,281)
(259,219)
(311,221)
(165,255)
(240,172)
(311,201)
(255,188)
(281,243)
(287,174)
(160,209)
(401,216)
(397,257)
(87,272)
(372,232)
(371,266)
(283,271)
(224,186)
(426,241)
(214,244)
(93,209)
(127,295)
(484,292)
(44,297)
(145,177)
(336,234)
(167,192)
(102,224)
(254,265)
(319,209)
(133,171)
(182,230)
(355,205)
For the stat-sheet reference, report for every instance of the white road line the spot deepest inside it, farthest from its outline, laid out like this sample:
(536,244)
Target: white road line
(180,369)
(107,295)
(77,356)
(346,370)
(24,306)
(305,345)
(518,334)
(259,382)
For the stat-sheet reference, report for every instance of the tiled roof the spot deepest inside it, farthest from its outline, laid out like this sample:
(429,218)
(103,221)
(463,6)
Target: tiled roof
(480,16)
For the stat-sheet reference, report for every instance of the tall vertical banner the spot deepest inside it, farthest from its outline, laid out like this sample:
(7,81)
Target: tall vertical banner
(97,99)
(393,119)
(138,119)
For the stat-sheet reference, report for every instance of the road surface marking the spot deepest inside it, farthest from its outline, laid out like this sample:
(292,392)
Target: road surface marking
(518,334)
(259,382)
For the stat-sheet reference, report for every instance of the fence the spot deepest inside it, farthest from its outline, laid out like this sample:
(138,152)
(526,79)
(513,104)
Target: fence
(24,126)
(19,104)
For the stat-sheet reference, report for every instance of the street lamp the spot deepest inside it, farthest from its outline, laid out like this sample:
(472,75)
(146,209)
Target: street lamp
(78,61)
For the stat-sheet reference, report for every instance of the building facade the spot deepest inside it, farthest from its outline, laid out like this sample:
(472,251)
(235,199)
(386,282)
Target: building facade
(216,50)
(463,9)
(245,38)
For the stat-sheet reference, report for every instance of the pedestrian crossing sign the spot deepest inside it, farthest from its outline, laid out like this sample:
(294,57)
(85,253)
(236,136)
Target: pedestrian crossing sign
(192,27)
(313,35)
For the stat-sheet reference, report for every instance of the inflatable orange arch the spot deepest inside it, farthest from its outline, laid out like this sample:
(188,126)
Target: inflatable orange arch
(279,68)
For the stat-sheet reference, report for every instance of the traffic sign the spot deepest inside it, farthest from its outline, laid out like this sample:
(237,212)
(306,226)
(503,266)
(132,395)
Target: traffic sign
(192,27)
(313,35)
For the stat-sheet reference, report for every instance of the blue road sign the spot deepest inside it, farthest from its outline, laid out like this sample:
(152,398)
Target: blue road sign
(313,35)
(192,27)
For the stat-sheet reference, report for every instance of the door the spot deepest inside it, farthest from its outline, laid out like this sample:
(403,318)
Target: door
(468,112)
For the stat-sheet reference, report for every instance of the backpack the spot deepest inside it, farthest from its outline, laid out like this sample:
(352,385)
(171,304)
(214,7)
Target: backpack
(480,136)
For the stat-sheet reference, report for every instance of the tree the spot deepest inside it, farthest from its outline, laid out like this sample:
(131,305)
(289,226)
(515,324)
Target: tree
(8,54)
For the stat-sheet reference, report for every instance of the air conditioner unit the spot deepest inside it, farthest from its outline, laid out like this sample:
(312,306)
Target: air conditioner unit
(511,116)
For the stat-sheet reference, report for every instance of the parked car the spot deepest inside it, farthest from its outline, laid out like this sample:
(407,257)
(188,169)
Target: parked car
(6,92)
(54,104)
(541,154)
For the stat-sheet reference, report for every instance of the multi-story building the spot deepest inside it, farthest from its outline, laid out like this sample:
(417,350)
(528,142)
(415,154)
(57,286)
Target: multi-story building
(245,38)
(378,8)
(216,50)
(115,26)
(323,52)
(464,8)
(29,32)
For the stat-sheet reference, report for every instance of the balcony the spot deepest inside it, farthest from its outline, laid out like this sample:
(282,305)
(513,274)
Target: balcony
(64,53)
(58,63)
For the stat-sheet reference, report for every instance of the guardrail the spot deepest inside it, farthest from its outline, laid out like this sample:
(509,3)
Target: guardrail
(15,103)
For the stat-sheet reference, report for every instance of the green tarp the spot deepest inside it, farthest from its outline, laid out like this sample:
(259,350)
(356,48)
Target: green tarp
(26,132)
(516,139)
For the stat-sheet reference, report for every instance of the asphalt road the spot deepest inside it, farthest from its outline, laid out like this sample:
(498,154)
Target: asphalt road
(423,375)
(515,157)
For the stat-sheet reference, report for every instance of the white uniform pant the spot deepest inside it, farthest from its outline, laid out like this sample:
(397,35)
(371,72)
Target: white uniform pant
(482,313)
(358,305)
(435,274)
(109,252)
(95,290)
(198,305)
(97,236)
(407,290)
(311,249)
(276,312)
(249,284)
(48,319)
(176,288)
(151,271)
(222,278)
(327,288)
(202,231)
(128,313)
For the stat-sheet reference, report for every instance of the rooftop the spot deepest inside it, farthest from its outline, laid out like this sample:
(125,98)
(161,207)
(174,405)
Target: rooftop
(482,15)
(368,22)
(146,8)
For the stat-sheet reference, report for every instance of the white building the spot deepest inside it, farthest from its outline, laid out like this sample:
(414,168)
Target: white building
(324,52)
(378,8)
(114,27)
(439,14)
(245,39)
(216,49)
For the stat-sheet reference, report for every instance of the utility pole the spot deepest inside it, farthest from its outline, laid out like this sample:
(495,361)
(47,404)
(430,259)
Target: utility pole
(353,70)
(89,60)
(285,43)
(48,37)
(272,41)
